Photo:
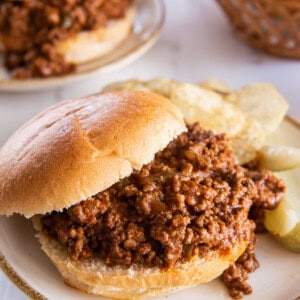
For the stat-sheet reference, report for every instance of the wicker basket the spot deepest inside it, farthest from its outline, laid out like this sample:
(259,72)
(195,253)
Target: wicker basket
(270,25)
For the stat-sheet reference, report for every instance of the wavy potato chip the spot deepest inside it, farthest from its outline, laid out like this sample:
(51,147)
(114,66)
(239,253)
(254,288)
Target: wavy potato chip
(262,102)
(128,85)
(208,108)
(161,86)
(216,85)
(232,98)
(248,141)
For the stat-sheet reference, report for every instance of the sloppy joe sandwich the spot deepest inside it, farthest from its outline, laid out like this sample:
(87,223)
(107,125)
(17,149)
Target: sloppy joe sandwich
(129,201)
(49,38)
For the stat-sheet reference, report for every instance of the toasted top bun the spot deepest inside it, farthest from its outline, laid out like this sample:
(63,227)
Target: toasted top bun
(80,147)
(118,282)
(85,45)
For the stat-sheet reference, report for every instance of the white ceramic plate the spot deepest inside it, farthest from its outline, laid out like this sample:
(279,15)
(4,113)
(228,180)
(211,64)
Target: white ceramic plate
(146,29)
(28,267)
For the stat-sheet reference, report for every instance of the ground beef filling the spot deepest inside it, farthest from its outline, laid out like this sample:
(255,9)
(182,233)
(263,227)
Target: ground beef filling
(270,190)
(237,275)
(190,200)
(30,29)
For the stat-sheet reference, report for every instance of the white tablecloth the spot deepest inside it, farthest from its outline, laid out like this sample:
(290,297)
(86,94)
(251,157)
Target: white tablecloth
(196,43)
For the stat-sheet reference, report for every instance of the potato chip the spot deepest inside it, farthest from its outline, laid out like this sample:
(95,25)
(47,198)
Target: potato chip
(208,108)
(262,102)
(128,85)
(161,85)
(248,141)
(232,98)
(158,85)
(216,85)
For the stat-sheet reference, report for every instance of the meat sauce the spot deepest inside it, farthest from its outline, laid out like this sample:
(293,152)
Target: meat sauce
(190,200)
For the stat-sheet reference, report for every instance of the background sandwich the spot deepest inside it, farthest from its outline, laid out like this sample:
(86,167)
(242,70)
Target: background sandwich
(42,39)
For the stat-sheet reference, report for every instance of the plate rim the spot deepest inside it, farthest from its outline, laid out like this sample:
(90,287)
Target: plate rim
(33,294)
(15,86)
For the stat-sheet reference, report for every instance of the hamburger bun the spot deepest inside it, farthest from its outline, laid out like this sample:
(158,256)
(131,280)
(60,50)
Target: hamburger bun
(80,147)
(85,45)
(94,277)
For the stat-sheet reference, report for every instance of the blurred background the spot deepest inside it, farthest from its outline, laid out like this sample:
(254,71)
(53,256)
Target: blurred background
(196,43)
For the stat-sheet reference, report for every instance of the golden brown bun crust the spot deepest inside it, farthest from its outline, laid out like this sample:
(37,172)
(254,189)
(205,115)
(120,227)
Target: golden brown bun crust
(80,147)
(93,276)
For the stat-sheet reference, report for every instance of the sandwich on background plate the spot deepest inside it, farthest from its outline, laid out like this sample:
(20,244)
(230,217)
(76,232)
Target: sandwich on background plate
(49,38)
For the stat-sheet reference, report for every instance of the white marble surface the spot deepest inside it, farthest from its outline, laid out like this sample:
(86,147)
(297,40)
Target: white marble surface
(196,43)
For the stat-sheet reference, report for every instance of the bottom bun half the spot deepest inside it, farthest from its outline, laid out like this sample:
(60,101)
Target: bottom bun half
(94,277)
(88,45)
